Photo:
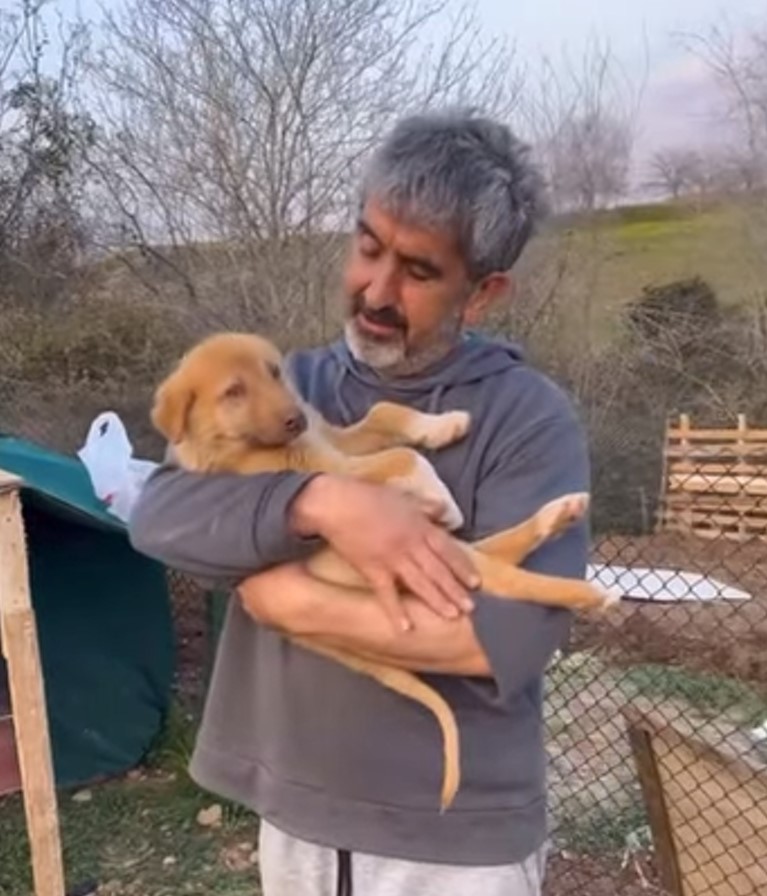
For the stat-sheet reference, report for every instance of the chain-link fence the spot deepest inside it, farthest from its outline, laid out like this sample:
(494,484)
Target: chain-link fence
(657,716)
(657,712)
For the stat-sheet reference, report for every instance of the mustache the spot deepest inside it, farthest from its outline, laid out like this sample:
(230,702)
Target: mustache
(386,316)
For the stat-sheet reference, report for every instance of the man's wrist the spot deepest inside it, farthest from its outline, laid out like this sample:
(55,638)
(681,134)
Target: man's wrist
(308,508)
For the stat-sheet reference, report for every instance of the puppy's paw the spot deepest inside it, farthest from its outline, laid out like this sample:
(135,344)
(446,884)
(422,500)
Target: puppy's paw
(600,600)
(438,430)
(556,516)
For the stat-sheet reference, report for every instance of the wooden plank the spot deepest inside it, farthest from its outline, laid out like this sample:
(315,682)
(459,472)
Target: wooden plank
(732,485)
(712,501)
(717,451)
(708,518)
(716,533)
(715,467)
(657,812)
(21,649)
(719,820)
(716,805)
(712,435)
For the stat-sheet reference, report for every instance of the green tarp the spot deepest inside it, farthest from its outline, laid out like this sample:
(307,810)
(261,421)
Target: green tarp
(103,617)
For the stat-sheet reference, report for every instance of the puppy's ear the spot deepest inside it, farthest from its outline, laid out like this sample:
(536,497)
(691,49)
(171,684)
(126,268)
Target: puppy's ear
(173,401)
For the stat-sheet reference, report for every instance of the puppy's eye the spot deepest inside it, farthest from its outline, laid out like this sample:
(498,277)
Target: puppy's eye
(274,371)
(235,390)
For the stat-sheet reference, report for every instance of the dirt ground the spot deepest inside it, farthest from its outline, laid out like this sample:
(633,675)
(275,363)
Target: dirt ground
(725,637)
(570,875)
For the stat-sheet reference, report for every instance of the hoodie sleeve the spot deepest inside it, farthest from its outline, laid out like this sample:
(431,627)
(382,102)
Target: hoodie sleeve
(218,528)
(548,461)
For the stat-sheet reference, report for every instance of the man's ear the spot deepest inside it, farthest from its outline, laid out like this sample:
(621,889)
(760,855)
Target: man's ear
(173,401)
(485,295)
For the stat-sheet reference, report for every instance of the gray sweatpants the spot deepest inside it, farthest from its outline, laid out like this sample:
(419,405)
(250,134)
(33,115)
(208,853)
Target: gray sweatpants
(292,867)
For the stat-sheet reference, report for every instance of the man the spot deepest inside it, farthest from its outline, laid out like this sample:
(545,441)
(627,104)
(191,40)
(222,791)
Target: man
(344,774)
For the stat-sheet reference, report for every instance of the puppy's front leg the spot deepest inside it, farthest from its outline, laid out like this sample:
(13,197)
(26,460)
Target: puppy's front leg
(390,425)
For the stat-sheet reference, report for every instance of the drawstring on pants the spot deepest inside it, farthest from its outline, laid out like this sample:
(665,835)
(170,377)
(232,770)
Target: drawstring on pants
(344,873)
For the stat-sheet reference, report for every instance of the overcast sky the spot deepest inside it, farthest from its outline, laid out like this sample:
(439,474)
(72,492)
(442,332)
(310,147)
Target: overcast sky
(678,91)
(644,35)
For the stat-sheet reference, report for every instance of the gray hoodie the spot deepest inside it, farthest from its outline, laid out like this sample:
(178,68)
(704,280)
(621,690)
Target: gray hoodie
(331,756)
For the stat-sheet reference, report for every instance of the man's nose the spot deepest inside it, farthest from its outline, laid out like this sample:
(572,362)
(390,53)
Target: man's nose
(382,290)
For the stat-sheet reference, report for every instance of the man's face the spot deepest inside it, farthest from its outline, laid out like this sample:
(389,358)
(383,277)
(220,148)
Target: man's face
(407,293)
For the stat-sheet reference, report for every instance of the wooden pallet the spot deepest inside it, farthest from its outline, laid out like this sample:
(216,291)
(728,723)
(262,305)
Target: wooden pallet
(715,482)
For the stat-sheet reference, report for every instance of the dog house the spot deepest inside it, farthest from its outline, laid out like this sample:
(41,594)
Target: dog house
(104,625)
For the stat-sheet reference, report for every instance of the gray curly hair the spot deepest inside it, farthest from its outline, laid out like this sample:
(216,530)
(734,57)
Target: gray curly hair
(458,170)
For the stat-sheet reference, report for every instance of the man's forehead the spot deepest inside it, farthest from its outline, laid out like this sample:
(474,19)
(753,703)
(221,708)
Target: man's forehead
(401,232)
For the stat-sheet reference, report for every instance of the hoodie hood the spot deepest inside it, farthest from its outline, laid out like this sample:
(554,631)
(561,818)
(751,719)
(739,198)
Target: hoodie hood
(474,358)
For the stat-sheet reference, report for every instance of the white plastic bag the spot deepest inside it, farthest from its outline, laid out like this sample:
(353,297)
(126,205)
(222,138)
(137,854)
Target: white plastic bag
(116,476)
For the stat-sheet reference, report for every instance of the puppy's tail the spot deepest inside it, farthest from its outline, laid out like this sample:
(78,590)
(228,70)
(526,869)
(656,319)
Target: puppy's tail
(412,686)
(409,685)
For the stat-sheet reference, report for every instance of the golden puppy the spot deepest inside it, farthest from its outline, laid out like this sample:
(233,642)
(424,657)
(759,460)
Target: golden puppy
(227,408)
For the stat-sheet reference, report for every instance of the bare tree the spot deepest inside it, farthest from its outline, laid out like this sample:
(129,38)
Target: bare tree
(581,119)
(740,69)
(739,65)
(42,143)
(236,129)
(675,171)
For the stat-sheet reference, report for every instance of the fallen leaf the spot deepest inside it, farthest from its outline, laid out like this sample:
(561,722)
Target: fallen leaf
(210,817)
(237,859)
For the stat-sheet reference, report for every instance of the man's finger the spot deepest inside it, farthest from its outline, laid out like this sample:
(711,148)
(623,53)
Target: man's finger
(416,580)
(455,557)
(441,578)
(386,590)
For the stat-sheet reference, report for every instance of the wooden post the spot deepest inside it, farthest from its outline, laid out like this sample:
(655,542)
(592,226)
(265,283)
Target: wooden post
(742,450)
(30,718)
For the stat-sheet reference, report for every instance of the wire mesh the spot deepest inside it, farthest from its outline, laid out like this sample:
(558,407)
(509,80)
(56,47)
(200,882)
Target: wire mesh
(687,815)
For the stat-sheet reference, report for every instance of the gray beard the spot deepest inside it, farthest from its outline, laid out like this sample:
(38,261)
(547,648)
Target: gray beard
(392,359)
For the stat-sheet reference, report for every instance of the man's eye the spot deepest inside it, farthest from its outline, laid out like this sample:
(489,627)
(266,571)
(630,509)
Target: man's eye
(419,273)
(368,246)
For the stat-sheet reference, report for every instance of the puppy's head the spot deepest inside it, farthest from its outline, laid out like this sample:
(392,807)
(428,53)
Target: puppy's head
(228,389)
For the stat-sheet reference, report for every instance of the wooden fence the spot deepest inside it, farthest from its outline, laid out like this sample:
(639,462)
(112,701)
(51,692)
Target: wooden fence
(715,481)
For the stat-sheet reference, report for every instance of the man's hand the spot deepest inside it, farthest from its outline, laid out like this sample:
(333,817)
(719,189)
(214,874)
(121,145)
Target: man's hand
(389,539)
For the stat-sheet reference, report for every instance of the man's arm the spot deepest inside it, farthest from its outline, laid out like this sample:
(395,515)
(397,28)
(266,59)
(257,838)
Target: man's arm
(219,527)
(547,460)
(290,600)
(509,641)
(222,528)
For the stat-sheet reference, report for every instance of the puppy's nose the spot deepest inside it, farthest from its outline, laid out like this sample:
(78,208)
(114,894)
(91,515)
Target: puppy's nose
(296,423)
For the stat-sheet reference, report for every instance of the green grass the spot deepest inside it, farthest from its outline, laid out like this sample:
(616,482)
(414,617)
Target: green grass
(620,251)
(600,831)
(140,836)
(711,695)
